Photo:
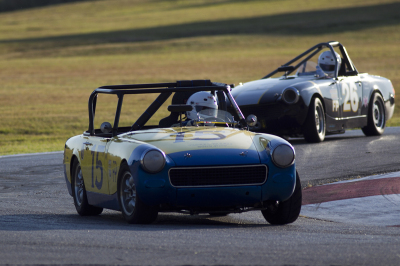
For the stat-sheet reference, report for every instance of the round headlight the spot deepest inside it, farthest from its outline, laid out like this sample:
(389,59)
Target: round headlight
(283,156)
(290,95)
(153,161)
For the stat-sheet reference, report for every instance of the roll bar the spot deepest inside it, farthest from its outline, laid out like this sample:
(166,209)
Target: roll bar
(305,56)
(164,89)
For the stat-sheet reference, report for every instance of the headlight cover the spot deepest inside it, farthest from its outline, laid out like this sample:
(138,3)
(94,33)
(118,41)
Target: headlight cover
(290,95)
(283,155)
(152,160)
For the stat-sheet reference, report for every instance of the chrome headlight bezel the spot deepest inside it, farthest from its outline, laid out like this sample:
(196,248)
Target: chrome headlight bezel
(153,160)
(283,155)
(290,95)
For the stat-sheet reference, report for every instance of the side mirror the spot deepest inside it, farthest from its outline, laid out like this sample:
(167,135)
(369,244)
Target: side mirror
(251,120)
(179,108)
(285,68)
(106,127)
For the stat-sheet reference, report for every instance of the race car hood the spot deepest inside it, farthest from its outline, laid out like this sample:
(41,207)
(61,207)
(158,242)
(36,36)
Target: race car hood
(264,90)
(190,146)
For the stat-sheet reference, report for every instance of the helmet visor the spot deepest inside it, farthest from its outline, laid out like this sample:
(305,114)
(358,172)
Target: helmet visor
(326,67)
(207,111)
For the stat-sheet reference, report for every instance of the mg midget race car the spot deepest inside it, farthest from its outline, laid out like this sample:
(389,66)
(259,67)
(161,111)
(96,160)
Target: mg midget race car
(165,163)
(320,92)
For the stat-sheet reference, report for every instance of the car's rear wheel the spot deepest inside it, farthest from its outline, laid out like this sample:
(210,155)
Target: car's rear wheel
(376,117)
(133,209)
(287,211)
(314,127)
(79,193)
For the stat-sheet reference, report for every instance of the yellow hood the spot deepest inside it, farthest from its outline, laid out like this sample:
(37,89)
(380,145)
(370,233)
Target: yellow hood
(171,140)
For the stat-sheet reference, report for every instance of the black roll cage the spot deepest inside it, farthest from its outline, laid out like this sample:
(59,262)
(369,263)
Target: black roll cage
(165,90)
(288,68)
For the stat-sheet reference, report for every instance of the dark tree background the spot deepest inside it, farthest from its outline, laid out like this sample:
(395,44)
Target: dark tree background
(11,5)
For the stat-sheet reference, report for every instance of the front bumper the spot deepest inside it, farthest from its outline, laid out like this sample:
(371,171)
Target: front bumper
(158,191)
(277,117)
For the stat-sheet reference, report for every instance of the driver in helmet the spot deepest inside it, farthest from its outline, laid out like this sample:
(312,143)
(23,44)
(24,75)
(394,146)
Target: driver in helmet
(326,64)
(200,101)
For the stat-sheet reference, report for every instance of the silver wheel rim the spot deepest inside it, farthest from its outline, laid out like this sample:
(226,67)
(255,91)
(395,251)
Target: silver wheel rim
(79,186)
(319,121)
(128,193)
(377,114)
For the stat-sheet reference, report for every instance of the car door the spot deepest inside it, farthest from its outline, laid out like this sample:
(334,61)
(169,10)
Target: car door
(350,91)
(330,92)
(94,164)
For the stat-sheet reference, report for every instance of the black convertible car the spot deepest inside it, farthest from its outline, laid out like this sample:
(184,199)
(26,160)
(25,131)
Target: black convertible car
(318,92)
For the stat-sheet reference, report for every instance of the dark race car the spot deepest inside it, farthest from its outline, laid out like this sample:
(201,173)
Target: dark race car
(320,92)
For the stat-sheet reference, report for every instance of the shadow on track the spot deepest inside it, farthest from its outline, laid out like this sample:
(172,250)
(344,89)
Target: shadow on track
(111,220)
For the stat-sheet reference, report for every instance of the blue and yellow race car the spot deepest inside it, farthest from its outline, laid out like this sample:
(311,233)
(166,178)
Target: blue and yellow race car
(186,154)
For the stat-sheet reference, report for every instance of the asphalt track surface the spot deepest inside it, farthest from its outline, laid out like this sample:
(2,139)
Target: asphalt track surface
(351,222)
(373,200)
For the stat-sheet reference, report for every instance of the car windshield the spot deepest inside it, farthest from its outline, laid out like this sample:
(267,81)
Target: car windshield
(307,68)
(214,117)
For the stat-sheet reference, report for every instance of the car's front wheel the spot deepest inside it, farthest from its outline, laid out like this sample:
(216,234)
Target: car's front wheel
(133,209)
(314,127)
(79,193)
(376,117)
(287,211)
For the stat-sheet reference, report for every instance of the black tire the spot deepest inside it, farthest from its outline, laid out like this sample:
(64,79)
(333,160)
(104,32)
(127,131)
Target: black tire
(376,117)
(286,211)
(79,193)
(314,127)
(133,209)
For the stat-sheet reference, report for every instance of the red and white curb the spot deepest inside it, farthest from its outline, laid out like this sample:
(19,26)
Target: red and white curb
(373,200)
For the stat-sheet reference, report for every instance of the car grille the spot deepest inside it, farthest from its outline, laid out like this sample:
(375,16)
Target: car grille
(218,176)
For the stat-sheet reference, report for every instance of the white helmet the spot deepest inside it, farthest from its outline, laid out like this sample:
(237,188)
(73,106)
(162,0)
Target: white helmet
(327,62)
(199,101)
